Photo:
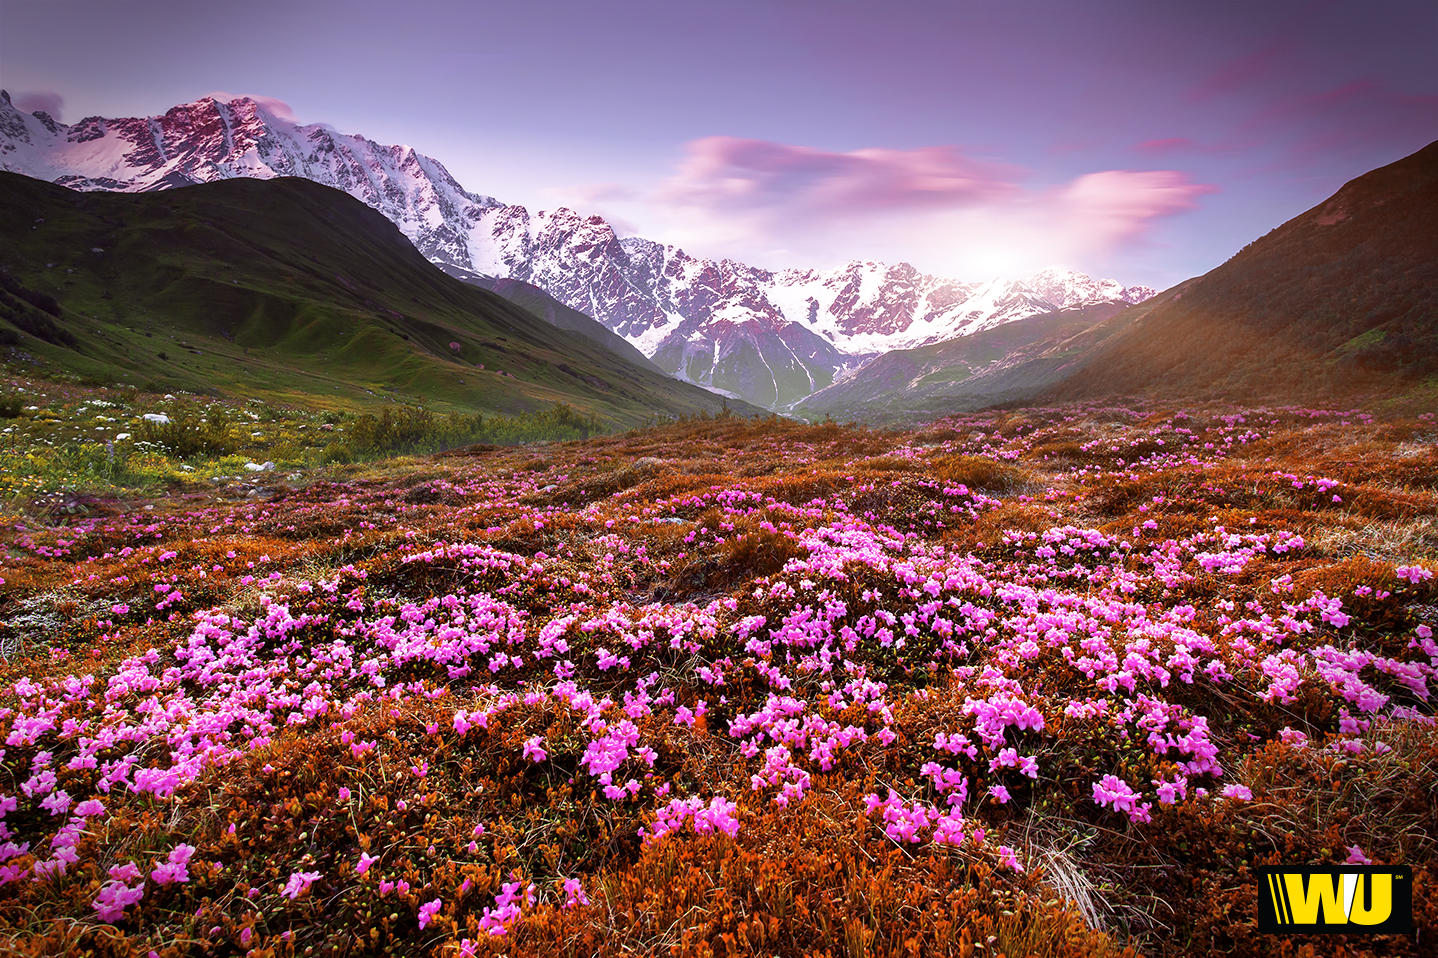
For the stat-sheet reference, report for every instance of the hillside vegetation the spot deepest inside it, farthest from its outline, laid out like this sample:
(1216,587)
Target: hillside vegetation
(1341,298)
(287,291)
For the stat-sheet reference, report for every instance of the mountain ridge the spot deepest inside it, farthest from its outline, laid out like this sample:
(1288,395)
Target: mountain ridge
(769,336)
(287,289)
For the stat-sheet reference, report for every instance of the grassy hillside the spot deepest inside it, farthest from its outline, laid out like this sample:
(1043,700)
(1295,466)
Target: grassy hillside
(1343,297)
(289,291)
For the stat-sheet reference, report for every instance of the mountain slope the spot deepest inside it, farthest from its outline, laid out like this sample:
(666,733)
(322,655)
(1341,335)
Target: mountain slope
(1007,363)
(770,337)
(288,289)
(1342,296)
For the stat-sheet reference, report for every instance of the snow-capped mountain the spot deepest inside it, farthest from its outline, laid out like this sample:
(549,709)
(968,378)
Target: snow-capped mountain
(768,337)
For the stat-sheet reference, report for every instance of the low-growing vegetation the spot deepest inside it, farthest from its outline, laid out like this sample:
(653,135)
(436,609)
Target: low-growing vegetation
(80,446)
(1052,682)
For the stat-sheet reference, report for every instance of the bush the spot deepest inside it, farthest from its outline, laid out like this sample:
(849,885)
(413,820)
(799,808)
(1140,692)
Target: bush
(416,429)
(192,432)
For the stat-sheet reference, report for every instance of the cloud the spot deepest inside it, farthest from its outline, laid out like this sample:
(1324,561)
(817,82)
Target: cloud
(1117,207)
(780,204)
(1358,114)
(1240,75)
(50,103)
(729,172)
(1172,144)
(269,104)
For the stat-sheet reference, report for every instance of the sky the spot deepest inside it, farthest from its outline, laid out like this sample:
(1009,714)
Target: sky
(1143,141)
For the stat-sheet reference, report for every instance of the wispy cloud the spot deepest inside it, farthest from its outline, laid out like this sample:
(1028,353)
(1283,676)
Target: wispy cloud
(1242,74)
(50,103)
(278,108)
(1356,114)
(727,172)
(935,205)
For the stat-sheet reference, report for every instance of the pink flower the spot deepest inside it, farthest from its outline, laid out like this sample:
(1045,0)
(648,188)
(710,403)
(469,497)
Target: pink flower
(428,910)
(999,792)
(298,884)
(1009,858)
(175,869)
(125,872)
(114,898)
(534,749)
(90,808)
(1356,856)
(365,861)
(574,893)
(1240,793)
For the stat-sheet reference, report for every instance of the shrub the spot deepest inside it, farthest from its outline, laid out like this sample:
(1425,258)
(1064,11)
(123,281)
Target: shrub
(191,432)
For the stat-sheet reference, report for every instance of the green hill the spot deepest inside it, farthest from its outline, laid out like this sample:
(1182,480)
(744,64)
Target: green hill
(1342,297)
(289,291)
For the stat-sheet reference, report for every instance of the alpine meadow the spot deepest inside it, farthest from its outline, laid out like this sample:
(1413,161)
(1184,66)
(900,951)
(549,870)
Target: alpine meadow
(391,569)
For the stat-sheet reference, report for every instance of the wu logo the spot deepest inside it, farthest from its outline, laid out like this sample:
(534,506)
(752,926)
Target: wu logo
(1351,900)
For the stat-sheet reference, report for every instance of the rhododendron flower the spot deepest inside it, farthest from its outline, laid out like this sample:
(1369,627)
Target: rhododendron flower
(574,893)
(1356,856)
(175,869)
(534,749)
(1413,573)
(428,910)
(365,861)
(90,808)
(298,884)
(1240,793)
(125,872)
(114,898)
(1009,858)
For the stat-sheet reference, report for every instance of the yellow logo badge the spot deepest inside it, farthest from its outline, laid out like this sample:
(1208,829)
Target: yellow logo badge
(1350,900)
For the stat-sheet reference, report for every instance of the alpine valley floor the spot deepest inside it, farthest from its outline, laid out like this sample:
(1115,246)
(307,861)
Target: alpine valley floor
(1050,681)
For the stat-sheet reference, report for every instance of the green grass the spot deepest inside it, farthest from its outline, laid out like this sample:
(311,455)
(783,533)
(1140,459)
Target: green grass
(291,292)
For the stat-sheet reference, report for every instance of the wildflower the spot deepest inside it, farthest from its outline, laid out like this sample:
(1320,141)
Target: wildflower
(428,910)
(1413,573)
(175,869)
(534,750)
(1356,856)
(1009,858)
(574,893)
(114,898)
(1240,793)
(365,861)
(298,884)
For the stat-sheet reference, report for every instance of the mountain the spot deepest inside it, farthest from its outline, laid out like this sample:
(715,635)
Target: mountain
(1009,362)
(1341,297)
(769,337)
(287,289)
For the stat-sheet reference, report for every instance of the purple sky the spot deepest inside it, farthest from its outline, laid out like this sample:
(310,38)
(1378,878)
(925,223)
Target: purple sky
(1146,141)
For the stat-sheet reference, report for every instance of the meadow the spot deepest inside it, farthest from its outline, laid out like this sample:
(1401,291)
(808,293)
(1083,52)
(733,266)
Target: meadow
(1045,681)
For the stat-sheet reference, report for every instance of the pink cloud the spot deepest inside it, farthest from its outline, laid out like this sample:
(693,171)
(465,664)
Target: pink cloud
(269,104)
(1172,144)
(730,172)
(50,103)
(1239,75)
(1117,207)
(776,203)
(1355,118)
